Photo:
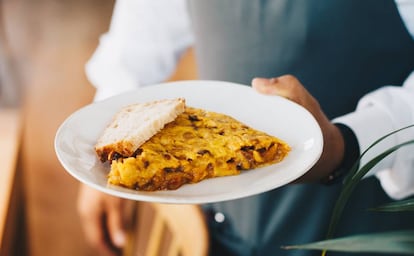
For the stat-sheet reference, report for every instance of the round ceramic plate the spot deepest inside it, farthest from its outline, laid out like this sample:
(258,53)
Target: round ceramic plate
(76,137)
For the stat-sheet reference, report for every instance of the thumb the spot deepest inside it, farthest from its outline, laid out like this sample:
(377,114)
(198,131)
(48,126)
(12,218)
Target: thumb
(286,86)
(264,85)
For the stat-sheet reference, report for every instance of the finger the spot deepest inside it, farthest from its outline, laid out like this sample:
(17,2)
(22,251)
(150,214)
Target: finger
(265,85)
(94,229)
(116,221)
(286,86)
(93,221)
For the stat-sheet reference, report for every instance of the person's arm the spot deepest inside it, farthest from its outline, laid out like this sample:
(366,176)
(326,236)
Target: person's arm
(143,44)
(378,113)
(291,88)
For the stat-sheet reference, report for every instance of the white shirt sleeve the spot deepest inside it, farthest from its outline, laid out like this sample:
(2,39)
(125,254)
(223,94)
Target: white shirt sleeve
(143,45)
(381,112)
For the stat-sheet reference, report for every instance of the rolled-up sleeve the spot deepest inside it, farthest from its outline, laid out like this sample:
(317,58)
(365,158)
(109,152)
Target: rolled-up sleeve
(142,46)
(378,113)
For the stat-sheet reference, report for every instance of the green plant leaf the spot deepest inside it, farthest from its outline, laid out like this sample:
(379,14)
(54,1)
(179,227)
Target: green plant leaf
(351,183)
(392,242)
(398,206)
(389,242)
(354,168)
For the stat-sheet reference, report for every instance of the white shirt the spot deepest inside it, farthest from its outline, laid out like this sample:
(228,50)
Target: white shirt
(141,49)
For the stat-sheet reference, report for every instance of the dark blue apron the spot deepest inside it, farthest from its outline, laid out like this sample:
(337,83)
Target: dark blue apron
(340,50)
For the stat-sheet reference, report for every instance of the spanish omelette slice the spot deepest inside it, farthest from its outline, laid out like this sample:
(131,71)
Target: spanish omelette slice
(197,145)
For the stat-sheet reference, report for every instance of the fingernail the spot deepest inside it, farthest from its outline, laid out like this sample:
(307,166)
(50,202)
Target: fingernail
(273,80)
(119,239)
(258,80)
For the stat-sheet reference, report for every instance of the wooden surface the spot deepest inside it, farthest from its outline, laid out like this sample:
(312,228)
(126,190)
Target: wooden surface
(50,42)
(167,230)
(9,149)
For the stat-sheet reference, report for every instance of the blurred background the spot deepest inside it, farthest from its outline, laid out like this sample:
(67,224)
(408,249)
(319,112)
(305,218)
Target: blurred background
(44,45)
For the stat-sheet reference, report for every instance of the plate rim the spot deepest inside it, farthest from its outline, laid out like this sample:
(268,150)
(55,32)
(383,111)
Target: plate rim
(155,196)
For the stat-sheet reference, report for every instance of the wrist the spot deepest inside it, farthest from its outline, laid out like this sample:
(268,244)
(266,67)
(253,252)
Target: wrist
(345,157)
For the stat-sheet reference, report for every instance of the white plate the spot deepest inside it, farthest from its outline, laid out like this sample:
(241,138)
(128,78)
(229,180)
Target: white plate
(76,137)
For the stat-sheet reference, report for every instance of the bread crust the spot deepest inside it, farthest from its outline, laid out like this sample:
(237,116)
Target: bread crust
(134,124)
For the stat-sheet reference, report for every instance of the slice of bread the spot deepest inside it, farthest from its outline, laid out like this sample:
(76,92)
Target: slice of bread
(135,124)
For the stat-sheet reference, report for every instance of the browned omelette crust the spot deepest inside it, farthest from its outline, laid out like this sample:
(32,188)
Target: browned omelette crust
(196,146)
